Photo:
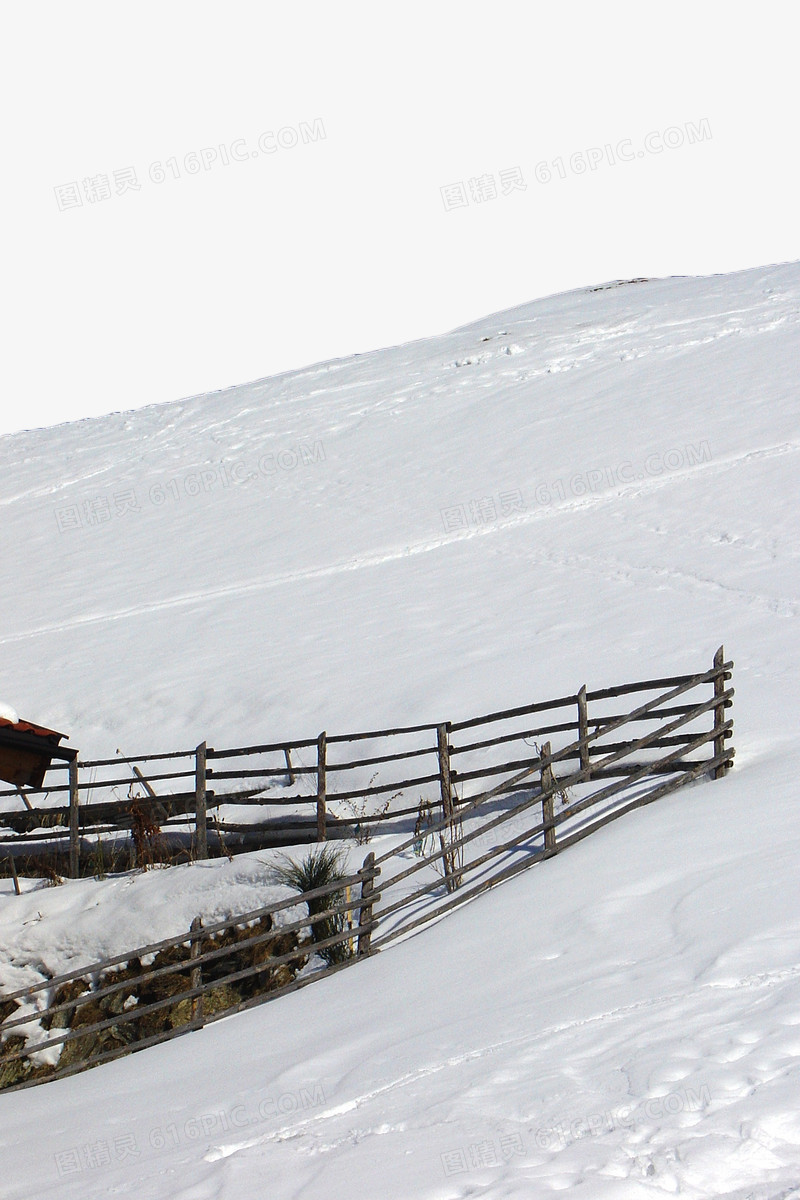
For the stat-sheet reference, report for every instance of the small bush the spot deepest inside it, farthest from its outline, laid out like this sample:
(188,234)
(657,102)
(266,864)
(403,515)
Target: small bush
(322,865)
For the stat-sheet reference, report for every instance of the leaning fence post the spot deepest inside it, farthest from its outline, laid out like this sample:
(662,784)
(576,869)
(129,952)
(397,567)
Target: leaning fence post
(583,732)
(287,754)
(195,950)
(200,801)
(365,909)
(322,784)
(719,714)
(74,831)
(547,799)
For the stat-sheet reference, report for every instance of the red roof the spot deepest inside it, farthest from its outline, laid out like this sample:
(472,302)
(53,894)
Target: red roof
(29,727)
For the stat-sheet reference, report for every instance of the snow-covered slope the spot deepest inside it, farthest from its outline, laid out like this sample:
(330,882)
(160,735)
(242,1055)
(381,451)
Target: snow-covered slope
(595,486)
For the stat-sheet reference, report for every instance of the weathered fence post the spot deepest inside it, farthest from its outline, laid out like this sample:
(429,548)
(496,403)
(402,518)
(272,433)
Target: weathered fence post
(322,784)
(547,800)
(195,950)
(445,789)
(200,801)
(13,867)
(583,731)
(287,754)
(451,878)
(365,909)
(74,831)
(719,714)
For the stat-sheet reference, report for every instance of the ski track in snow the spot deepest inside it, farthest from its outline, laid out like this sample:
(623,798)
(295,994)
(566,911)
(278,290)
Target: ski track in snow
(764,981)
(332,1128)
(614,569)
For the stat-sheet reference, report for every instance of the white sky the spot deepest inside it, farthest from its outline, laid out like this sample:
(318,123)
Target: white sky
(344,242)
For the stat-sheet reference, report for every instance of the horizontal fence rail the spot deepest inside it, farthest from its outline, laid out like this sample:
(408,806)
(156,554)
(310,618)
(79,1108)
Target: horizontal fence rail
(579,816)
(291,943)
(541,800)
(312,789)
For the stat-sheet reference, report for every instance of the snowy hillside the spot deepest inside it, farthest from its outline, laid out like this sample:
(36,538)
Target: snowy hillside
(593,487)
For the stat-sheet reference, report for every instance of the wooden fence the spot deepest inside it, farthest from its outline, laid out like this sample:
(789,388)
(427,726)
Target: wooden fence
(209,801)
(98,1004)
(554,802)
(457,847)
